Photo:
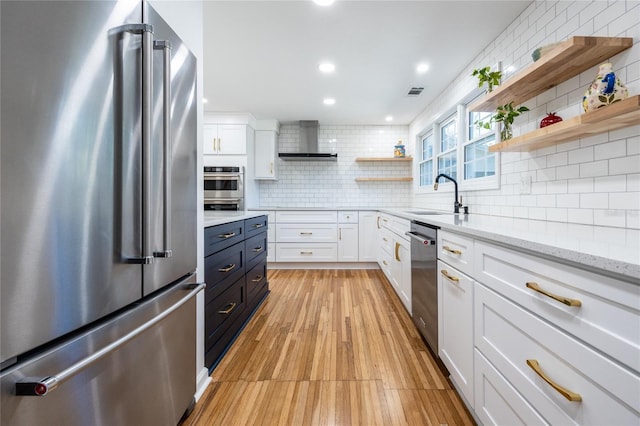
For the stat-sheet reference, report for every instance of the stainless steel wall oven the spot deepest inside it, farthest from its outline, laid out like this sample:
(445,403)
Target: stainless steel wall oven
(224,188)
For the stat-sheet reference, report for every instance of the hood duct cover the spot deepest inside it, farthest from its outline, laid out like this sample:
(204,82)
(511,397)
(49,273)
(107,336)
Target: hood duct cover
(308,145)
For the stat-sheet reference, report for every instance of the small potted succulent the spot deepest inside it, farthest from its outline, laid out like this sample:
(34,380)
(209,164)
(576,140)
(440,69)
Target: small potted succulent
(505,114)
(488,77)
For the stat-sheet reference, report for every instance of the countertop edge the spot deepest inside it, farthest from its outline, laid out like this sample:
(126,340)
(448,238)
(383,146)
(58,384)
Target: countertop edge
(213,218)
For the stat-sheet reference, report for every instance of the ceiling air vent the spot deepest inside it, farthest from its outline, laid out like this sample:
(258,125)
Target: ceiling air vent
(415,91)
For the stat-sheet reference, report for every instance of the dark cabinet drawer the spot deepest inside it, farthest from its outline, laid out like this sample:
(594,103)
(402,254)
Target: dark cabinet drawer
(256,280)
(255,225)
(222,269)
(221,312)
(255,248)
(220,237)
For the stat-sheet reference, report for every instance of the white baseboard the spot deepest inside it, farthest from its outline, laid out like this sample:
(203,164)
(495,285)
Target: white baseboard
(322,265)
(202,381)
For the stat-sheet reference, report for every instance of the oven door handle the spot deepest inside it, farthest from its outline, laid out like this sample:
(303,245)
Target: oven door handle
(220,200)
(221,175)
(423,240)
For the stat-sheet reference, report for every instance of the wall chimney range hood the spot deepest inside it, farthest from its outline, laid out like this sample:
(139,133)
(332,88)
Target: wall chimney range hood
(308,145)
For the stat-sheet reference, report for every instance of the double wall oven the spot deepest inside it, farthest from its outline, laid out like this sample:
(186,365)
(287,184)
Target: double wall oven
(224,188)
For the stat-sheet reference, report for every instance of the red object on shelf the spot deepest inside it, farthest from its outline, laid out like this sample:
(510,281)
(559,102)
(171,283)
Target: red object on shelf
(550,119)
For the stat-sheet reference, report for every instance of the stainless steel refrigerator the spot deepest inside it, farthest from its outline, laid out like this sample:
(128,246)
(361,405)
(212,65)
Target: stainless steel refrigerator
(97,214)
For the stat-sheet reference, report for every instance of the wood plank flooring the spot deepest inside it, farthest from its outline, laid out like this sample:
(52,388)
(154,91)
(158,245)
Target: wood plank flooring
(329,347)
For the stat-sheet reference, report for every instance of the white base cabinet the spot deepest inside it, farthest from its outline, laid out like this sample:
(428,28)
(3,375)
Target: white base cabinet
(367,236)
(394,255)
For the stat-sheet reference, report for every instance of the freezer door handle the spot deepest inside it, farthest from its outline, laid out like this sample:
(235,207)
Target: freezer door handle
(33,386)
(165,46)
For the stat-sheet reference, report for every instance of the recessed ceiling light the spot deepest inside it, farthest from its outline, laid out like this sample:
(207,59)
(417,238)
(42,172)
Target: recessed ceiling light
(323,2)
(327,67)
(388,118)
(329,101)
(422,68)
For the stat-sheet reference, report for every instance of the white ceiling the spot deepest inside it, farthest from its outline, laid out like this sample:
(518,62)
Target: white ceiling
(262,57)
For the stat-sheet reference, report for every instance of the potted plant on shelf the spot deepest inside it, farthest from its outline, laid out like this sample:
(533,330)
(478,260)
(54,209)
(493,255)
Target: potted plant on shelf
(505,114)
(488,77)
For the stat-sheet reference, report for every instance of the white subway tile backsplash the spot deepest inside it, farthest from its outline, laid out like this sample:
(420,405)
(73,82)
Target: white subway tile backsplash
(610,184)
(609,218)
(582,155)
(624,201)
(611,150)
(568,200)
(568,172)
(594,168)
(584,216)
(559,159)
(625,165)
(594,200)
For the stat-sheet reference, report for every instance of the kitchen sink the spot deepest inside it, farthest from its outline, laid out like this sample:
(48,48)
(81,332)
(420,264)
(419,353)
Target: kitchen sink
(426,212)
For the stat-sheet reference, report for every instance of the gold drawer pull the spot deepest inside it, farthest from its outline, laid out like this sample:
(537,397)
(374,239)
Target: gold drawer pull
(258,225)
(227,268)
(306,233)
(258,249)
(257,279)
(230,307)
(397,254)
(449,277)
(306,252)
(571,396)
(227,235)
(384,239)
(385,263)
(567,301)
(450,250)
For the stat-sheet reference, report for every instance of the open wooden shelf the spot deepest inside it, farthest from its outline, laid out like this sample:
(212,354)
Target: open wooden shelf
(385,179)
(615,116)
(567,60)
(379,159)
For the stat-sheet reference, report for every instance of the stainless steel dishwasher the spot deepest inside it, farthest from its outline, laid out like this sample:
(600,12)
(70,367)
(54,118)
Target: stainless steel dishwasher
(424,281)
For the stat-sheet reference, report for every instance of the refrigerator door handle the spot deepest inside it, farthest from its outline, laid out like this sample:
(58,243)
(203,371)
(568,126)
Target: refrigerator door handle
(33,386)
(165,46)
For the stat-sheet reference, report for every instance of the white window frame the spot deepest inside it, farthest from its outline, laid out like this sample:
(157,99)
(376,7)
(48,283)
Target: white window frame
(423,160)
(461,114)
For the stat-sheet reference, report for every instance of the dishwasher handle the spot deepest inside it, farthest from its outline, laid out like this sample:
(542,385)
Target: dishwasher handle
(422,239)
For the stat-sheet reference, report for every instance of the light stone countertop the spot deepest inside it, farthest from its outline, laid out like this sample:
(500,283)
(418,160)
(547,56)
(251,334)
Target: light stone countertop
(597,248)
(613,251)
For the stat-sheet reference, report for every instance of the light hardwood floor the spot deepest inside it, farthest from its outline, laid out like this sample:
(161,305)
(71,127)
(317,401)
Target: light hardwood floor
(329,347)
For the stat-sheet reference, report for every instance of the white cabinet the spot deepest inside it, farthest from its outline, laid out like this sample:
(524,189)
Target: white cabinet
(394,255)
(347,236)
(225,139)
(455,327)
(367,236)
(347,242)
(306,236)
(265,155)
(561,339)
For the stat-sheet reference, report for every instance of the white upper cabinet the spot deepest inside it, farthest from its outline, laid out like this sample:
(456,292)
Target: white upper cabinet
(266,147)
(225,139)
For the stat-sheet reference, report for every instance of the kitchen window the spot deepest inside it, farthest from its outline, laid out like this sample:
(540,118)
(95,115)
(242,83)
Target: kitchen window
(456,146)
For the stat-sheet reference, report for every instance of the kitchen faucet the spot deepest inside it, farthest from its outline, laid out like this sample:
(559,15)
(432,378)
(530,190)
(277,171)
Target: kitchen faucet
(457,204)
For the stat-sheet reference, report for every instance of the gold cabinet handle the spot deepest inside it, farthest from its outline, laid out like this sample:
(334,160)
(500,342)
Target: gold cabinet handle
(306,233)
(378,222)
(340,234)
(257,279)
(384,239)
(271,167)
(230,307)
(214,144)
(258,225)
(396,252)
(306,252)
(258,249)
(450,250)
(565,300)
(449,277)
(227,235)
(219,144)
(385,263)
(571,396)
(227,268)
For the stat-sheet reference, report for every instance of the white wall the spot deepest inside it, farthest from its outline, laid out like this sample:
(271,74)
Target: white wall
(332,184)
(594,180)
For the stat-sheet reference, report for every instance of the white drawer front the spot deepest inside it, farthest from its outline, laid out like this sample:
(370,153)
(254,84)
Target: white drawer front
(347,217)
(386,241)
(401,226)
(385,262)
(271,232)
(496,401)
(607,319)
(311,216)
(318,233)
(271,217)
(301,252)
(456,250)
(508,336)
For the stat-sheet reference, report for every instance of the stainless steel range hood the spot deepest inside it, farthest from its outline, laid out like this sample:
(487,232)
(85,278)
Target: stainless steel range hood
(308,145)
